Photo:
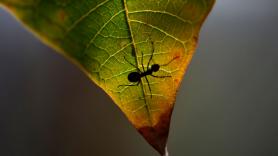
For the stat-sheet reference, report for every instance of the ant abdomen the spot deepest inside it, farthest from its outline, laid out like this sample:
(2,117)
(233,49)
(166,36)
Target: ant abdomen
(134,77)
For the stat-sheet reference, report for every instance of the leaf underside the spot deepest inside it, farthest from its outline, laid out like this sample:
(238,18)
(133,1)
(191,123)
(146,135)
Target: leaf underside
(109,39)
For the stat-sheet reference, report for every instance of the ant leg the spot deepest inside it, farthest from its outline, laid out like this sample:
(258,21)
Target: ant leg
(132,64)
(160,76)
(146,76)
(142,63)
(149,86)
(151,55)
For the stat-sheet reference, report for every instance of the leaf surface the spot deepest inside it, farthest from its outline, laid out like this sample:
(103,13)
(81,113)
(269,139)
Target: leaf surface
(110,39)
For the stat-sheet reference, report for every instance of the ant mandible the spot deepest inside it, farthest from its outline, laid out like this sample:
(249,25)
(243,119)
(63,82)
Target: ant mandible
(137,76)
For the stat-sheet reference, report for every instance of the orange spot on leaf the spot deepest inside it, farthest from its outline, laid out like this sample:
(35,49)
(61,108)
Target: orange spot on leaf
(62,15)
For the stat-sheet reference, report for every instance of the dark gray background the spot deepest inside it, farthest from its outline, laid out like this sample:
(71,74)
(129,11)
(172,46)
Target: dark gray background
(227,105)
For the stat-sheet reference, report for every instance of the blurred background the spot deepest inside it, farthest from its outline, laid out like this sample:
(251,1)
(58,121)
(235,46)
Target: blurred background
(227,105)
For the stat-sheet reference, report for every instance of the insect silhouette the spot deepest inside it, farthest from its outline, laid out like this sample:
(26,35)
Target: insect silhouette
(137,76)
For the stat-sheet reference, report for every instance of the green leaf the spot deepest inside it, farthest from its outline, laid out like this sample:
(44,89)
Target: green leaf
(109,39)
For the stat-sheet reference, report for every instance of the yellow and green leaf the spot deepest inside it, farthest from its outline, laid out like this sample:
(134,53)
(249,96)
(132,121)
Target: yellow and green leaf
(105,37)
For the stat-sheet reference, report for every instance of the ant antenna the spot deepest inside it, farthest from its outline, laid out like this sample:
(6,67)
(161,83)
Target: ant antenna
(166,64)
(131,64)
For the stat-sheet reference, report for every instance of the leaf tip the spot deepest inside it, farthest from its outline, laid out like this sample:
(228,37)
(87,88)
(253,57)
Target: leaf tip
(157,135)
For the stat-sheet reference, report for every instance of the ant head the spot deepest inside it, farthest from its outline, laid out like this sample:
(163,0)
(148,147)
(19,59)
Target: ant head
(155,67)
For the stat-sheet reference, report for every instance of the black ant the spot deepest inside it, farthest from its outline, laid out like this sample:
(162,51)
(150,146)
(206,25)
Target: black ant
(136,76)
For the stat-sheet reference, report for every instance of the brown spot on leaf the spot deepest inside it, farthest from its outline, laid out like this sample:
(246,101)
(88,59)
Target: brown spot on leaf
(62,15)
(178,53)
(157,135)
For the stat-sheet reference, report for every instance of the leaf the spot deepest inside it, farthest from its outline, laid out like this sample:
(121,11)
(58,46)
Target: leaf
(109,39)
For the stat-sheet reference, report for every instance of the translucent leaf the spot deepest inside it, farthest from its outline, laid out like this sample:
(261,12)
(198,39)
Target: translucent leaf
(137,51)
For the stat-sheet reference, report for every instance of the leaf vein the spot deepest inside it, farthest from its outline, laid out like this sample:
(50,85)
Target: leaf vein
(99,31)
(163,12)
(86,15)
(157,28)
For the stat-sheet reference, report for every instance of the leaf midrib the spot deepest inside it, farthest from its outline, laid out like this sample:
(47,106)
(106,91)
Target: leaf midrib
(147,107)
